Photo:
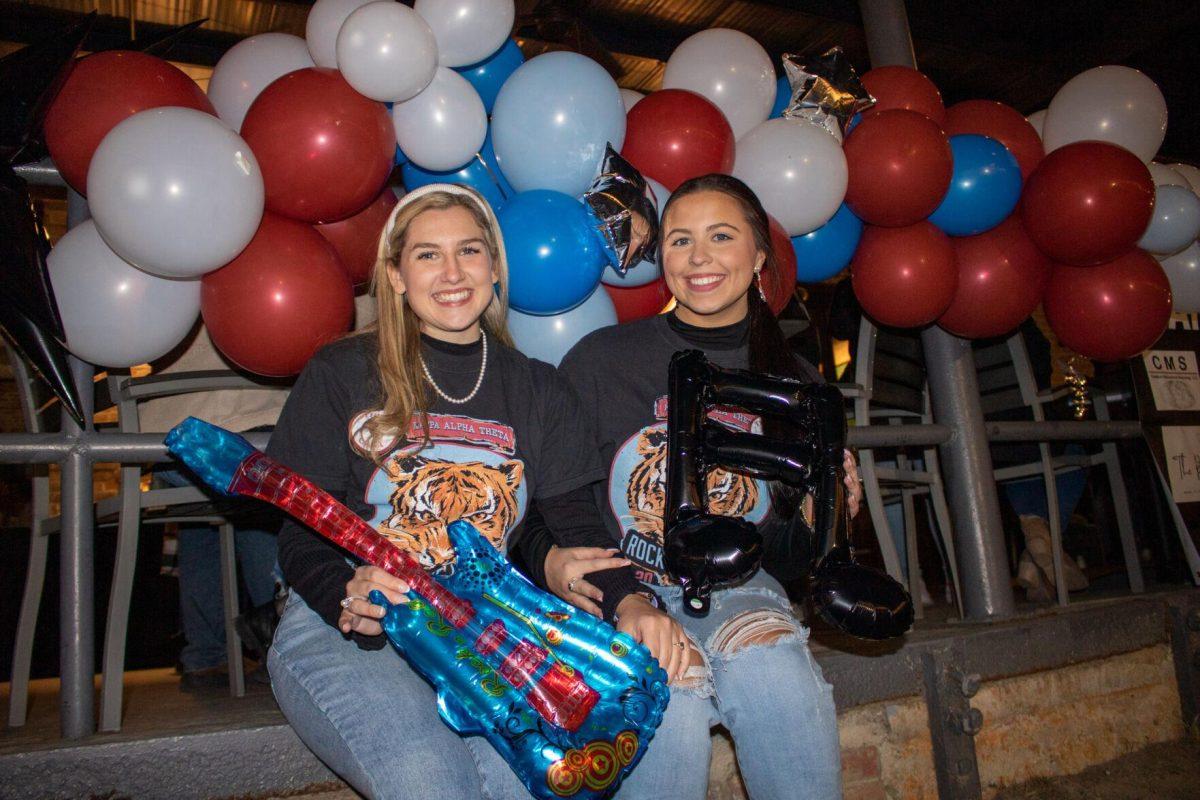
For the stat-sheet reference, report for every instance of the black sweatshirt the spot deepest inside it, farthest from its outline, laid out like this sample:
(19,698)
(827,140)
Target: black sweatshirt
(620,374)
(521,436)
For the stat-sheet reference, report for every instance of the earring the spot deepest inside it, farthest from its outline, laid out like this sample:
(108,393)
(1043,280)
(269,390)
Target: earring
(758,282)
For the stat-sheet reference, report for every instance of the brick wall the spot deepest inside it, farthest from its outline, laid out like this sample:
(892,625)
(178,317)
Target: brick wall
(1057,722)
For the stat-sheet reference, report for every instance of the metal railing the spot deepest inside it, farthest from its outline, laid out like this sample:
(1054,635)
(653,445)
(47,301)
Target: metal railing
(76,449)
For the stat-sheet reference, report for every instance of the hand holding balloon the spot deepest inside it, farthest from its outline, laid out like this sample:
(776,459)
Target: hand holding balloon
(358,613)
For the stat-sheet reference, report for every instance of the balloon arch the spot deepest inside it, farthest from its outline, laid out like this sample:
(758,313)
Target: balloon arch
(257,206)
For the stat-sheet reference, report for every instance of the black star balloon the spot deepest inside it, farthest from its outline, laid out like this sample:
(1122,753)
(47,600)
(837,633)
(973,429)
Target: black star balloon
(28,314)
(825,90)
(29,81)
(161,44)
(47,357)
(23,250)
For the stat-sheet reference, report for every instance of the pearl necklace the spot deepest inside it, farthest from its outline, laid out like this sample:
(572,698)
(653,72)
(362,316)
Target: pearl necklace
(478,381)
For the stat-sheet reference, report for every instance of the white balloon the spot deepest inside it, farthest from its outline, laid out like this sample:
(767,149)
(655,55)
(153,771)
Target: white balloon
(629,97)
(730,69)
(249,67)
(1183,271)
(1190,174)
(325,19)
(386,51)
(1162,175)
(175,191)
(1038,120)
(797,170)
(443,127)
(549,338)
(1110,104)
(467,31)
(1175,222)
(114,314)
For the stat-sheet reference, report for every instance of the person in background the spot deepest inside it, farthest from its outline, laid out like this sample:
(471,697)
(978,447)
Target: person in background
(202,660)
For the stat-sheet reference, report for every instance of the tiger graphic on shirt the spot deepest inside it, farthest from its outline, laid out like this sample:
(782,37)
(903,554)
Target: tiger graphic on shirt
(468,471)
(637,489)
(729,493)
(430,494)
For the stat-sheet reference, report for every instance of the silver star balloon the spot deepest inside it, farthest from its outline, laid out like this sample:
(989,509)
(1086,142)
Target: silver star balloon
(826,90)
(624,212)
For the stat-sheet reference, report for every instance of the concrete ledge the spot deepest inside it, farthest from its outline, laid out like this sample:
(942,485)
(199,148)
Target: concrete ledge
(879,691)
(246,761)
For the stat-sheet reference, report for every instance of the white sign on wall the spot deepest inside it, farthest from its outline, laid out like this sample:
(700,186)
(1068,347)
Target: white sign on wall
(1174,379)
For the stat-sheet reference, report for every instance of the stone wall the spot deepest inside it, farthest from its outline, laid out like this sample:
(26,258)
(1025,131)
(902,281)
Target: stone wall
(1057,722)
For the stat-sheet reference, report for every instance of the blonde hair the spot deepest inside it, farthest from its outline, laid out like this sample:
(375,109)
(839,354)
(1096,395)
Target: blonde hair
(403,385)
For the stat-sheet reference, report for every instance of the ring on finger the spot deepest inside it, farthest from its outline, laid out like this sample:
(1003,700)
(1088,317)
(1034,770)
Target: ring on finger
(680,644)
(346,601)
(571,584)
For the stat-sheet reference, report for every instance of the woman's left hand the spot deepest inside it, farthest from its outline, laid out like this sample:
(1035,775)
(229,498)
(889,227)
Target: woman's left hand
(854,487)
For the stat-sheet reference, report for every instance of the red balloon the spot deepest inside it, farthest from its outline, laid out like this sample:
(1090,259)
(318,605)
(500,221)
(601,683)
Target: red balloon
(904,277)
(1112,311)
(1001,277)
(638,302)
(283,297)
(779,284)
(673,134)
(1000,122)
(356,238)
(324,149)
(103,89)
(903,87)
(900,168)
(1087,203)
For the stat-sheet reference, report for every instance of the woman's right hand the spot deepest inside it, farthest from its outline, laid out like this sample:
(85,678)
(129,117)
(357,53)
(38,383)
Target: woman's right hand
(566,567)
(359,614)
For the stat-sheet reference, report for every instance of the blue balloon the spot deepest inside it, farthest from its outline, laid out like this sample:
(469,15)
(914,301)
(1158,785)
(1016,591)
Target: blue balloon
(481,173)
(489,75)
(554,258)
(548,338)
(552,120)
(783,96)
(984,188)
(857,118)
(826,251)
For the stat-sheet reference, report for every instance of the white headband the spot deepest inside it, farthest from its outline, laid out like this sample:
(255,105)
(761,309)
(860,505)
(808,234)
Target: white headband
(447,188)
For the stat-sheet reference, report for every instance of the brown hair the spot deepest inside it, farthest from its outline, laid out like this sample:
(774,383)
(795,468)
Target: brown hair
(399,329)
(769,350)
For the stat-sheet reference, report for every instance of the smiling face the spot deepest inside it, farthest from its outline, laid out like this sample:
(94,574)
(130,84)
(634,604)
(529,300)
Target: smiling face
(445,273)
(709,257)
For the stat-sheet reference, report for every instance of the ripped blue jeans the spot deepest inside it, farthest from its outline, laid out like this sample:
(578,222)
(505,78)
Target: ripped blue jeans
(760,682)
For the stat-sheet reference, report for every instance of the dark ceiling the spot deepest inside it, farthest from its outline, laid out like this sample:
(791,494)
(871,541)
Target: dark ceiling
(1015,51)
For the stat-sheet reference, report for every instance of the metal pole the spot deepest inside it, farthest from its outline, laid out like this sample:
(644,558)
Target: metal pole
(76,593)
(954,390)
(77,634)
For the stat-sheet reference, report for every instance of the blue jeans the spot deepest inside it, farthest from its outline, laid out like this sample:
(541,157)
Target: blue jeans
(1028,496)
(771,697)
(370,718)
(201,608)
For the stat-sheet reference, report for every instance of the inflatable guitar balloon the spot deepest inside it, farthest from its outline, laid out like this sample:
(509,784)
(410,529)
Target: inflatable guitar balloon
(704,550)
(569,702)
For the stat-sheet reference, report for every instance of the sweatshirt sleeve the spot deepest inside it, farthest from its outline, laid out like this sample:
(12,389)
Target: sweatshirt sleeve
(311,439)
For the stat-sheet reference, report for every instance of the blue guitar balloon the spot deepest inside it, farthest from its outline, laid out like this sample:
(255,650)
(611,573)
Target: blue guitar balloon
(569,702)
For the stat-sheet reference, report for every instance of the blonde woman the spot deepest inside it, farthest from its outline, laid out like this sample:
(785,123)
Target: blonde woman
(428,417)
